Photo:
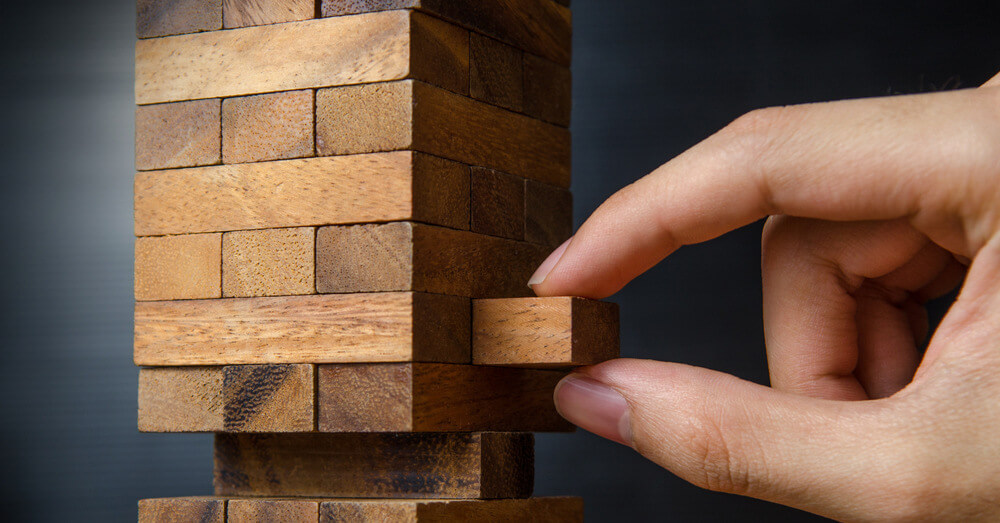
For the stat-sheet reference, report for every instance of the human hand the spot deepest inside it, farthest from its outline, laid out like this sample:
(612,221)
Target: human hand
(875,206)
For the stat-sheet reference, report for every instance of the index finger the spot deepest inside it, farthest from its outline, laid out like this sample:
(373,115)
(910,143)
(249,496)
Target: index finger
(913,156)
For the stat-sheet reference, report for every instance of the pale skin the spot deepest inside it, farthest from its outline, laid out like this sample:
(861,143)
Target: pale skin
(873,207)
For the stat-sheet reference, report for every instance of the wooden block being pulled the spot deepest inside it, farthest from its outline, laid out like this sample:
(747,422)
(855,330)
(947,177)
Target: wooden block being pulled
(544,332)
(346,50)
(274,126)
(182,510)
(170,17)
(548,213)
(437,465)
(295,193)
(178,267)
(434,397)
(548,90)
(245,13)
(405,256)
(233,398)
(495,74)
(269,262)
(536,510)
(497,204)
(180,134)
(538,26)
(377,327)
(417,116)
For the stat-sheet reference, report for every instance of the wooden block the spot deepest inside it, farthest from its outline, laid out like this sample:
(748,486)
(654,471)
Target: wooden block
(544,332)
(170,17)
(541,27)
(273,126)
(434,397)
(346,50)
(496,72)
(180,134)
(439,465)
(379,327)
(415,115)
(178,267)
(245,13)
(272,510)
(537,510)
(182,510)
(548,213)
(269,262)
(295,193)
(548,90)
(497,202)
(234,398)
(404,256)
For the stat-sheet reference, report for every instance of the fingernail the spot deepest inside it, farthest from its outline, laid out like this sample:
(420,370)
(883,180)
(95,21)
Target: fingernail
(545,268)
(595,407)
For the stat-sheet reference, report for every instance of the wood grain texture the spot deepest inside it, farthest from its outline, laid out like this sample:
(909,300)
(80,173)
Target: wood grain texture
(404,256)
(417,116)
(269,262)
(246,13)
(438,465)
(548,213)
(274,126)
(495,75)
(294,193)
(182,510)
(497,204)
(536,510)
(272,511)
(170,17)
(349,50)
(178,267)
(548,90)
(433,397)
(180,134)
(234,398)
(386,327)
(538,26)
(544,332)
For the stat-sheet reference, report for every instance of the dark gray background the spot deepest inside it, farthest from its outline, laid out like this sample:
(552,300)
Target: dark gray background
(651,78)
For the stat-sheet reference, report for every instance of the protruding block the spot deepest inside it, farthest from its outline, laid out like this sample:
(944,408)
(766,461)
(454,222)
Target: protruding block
(432,397)
(544,332)
(497,202)
(536,510)
(405,256)
(416,116)
(440,465)
(269,262)
(178,267)
(496,73)
(548,214)
(170,17)
(187,399)
(274,126)
(548,90)
(180,134)
(295,193)
(377,327)
(245,13)
(182,510)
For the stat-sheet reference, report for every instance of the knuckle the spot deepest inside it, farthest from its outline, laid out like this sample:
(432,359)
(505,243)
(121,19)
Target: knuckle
(723,458)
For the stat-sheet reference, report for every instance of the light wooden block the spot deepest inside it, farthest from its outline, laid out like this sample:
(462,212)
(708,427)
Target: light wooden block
(180,134)
(295,193)
(416,116)
(536,510)
(548,214)
(246,13)
(170,17)
(439,465)
(274,126)
(497,204)
(178,267)
(182,510)
(548,90)
(544,332)
(404,256)
(496,76)
(308,54)
(376,327)
(434,397)
(269,262)
(185,399)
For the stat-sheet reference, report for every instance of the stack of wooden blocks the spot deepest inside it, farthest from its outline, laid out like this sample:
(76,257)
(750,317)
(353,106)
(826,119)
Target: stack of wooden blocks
(338,205)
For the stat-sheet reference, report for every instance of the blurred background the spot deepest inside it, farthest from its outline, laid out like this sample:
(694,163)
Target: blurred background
(651,78)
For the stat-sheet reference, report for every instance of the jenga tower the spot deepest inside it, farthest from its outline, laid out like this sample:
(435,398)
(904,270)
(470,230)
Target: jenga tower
(338,205)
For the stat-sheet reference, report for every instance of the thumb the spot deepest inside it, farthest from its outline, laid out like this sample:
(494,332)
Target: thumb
(725,434)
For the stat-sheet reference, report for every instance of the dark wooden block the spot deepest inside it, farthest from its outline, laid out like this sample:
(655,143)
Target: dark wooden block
(497,204)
